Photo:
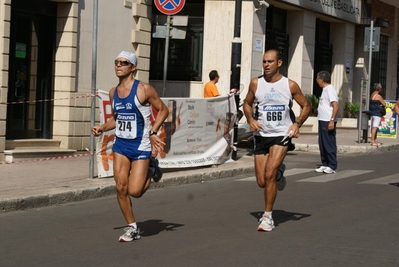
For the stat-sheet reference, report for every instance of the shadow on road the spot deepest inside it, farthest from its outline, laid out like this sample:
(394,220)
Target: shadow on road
(154,227)
(281,216)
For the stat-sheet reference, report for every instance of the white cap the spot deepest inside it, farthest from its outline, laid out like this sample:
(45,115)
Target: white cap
(129,56)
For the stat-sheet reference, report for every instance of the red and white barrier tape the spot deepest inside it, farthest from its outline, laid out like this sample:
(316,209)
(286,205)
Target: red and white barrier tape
(47,100)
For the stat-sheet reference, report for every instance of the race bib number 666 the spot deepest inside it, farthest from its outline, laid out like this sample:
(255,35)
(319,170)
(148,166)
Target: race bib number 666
(274,115)
(126,126)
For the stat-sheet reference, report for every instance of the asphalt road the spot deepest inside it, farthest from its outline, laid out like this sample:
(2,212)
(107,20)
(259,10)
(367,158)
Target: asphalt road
(347,219)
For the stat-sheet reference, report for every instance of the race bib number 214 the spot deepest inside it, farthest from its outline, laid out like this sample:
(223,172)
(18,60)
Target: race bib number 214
(126,126)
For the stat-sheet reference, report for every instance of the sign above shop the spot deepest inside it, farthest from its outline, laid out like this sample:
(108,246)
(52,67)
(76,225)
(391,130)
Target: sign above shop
(169,7)
(349,10)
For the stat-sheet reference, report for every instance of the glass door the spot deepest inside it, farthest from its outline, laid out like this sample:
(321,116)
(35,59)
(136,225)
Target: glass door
(31,63)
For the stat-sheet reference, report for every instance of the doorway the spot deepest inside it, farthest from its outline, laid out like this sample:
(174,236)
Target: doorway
(276,34)
(31,64)
(323,53)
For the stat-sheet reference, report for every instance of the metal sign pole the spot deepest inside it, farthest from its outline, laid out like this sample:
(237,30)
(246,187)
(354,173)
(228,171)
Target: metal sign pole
(165,62)
(359,117)
(368,89)
(93,86)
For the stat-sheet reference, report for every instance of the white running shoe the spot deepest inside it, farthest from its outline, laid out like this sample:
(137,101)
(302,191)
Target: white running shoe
(130,234)
(266,224)
(320,169)
(328,170)
(281,181)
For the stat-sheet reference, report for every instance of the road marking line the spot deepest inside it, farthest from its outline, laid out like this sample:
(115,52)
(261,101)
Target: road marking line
(252,178)
(390,179)
(290,172)
(335,176)
(295,171)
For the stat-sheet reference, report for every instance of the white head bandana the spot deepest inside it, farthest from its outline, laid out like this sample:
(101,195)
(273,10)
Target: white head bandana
(129,56)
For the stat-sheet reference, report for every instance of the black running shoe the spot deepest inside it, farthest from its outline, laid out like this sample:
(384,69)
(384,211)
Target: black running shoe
(281,181)
(154,164)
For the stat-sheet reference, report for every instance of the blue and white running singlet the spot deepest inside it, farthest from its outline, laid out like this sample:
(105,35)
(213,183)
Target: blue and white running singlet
(132,126)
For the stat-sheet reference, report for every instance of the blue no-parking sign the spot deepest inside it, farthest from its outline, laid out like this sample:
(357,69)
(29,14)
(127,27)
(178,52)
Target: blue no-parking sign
(169,7)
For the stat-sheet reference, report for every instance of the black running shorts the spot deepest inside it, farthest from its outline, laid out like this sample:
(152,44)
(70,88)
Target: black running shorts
(262,144)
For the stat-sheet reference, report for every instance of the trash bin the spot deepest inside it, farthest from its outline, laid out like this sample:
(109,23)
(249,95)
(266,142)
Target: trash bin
(365,120)
(364,125)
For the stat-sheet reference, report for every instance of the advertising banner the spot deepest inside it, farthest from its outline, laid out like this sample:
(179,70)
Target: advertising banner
(387,126)
(197,132)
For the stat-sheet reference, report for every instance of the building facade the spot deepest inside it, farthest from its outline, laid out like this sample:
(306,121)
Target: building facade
(48,71)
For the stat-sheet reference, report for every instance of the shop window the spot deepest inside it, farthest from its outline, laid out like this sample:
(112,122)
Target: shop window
(184,55)
(379,64)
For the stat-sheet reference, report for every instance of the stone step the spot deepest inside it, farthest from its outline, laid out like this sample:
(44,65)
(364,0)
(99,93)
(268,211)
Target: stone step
(17,155)
(343,125)
(339,129)
(32,143)
(34,149)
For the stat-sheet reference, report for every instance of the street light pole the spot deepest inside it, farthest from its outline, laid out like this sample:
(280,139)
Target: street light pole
(236,68)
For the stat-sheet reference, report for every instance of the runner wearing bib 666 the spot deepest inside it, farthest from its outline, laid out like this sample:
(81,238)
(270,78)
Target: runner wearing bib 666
(135,137)
(267,108)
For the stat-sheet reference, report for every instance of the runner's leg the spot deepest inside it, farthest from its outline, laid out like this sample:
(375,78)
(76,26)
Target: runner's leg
(121,174)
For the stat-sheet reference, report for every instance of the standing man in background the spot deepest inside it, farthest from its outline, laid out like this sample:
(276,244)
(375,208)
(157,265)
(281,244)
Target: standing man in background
(327,117)
(135,137)
(210,89)
(273,126)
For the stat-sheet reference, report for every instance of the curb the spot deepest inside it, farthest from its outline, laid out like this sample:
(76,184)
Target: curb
(39,201)
(343,149)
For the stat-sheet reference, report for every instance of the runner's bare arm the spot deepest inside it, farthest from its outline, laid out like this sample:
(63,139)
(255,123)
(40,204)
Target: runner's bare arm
(302,102)
(247,106)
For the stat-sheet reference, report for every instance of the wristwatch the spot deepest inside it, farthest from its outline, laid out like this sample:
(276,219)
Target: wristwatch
(332,119)
(152,132)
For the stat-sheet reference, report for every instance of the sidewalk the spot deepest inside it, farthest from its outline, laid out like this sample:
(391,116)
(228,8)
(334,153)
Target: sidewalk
(36,184)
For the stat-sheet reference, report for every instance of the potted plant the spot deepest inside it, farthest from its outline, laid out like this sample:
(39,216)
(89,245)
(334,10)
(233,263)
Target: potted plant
(314,103)
(352,109)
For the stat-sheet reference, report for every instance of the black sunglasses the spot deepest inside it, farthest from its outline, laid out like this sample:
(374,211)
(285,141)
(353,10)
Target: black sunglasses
(122,62)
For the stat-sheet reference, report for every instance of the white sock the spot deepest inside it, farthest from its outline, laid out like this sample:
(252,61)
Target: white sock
(134,225)
(267,214)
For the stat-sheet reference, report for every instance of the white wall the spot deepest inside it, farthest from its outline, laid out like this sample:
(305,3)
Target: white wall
(114,35)
(301,29)
(218,43)
(218,36)
(342,38)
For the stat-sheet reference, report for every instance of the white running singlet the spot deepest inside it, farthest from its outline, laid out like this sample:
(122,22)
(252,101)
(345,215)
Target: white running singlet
(273,107)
